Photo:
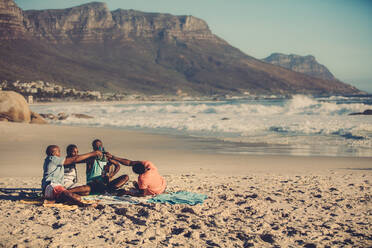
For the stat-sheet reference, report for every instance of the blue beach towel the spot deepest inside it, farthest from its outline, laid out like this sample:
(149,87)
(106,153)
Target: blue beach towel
(180,197)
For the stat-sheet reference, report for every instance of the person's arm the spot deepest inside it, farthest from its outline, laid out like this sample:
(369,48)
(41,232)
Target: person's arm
(133,192)
(141,187)
(89,163)
(138,193)
(80,162)
(82,157)
(117,166)
(123,161)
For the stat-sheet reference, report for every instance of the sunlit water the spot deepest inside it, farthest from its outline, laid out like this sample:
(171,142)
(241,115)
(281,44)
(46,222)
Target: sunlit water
(298,126)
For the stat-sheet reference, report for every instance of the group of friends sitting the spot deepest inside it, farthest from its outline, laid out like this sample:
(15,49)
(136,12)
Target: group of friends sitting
(59,181)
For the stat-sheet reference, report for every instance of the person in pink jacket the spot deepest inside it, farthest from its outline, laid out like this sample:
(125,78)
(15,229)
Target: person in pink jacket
(149,180)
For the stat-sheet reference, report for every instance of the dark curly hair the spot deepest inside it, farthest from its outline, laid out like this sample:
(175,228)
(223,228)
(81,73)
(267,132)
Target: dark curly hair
(94,144)
(70,148)
(139,168)
(50,149)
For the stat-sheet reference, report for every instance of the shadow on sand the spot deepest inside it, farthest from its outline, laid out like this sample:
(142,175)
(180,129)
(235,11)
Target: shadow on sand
(16,194)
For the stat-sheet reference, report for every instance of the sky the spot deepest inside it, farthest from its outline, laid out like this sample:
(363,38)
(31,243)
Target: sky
(337,32)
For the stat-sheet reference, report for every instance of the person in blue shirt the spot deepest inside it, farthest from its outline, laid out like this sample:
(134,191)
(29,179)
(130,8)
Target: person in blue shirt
(53,176)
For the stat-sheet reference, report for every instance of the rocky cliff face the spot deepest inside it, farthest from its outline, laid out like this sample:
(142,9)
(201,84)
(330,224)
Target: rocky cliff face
(93,22)
(90,22)
(90,47)
(131,24)
(304,64)
(11,21)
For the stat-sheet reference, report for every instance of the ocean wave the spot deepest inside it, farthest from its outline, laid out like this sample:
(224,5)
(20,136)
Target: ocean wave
(298,105)
(298,121)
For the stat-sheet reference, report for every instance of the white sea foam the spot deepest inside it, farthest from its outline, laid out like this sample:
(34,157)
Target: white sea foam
(300,121)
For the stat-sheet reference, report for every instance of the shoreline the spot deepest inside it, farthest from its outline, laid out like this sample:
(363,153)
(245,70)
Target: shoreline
(198,155)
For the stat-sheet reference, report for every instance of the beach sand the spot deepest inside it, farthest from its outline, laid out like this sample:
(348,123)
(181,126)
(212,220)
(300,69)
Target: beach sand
(260,201)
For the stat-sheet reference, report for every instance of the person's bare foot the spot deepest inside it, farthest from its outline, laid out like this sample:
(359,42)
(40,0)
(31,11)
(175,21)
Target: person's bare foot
(46,201)
(88,205)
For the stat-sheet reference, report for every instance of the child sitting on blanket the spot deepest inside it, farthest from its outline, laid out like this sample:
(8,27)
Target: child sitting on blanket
(149,180)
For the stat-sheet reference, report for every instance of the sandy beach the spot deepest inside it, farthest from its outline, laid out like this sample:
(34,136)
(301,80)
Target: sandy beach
(253,201)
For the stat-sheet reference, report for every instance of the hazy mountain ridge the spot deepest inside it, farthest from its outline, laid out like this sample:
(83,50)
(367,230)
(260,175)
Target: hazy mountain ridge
(303,64)
(90,47)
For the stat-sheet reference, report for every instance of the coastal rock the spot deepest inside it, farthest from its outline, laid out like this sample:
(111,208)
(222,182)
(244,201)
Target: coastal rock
(304,64)
(62,116)
(365,112)
(37,119)
(82,116)
(49,116)
(14,107)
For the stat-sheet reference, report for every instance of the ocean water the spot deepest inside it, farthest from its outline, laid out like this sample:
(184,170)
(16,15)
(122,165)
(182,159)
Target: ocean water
(299,126)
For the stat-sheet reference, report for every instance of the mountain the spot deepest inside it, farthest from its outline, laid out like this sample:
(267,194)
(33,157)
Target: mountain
(304,64)
(91,47)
